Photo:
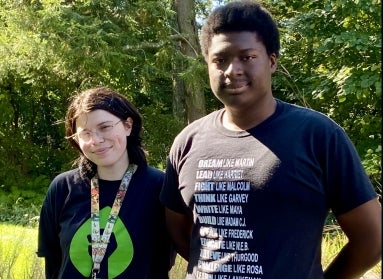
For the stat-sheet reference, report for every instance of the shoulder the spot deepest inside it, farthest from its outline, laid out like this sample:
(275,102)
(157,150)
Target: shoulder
(148,179)
(153,172)
(70,174)
(202,122)
(70,177)
(310,128)
(300,111)
(62,186)
(304,116)
(201,125)
(64,182)
(150,173)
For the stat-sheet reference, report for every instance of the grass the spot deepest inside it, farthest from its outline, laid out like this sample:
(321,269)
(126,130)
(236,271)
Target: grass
(332,242)
(18,259)
(179,269)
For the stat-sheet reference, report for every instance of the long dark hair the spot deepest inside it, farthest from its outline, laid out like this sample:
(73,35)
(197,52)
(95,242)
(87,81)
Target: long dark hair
(113,102)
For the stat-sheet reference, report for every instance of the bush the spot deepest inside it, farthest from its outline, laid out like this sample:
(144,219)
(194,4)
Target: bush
(15,211)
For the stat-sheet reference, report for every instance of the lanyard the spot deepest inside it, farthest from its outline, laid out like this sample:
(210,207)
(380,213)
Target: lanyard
(100,243)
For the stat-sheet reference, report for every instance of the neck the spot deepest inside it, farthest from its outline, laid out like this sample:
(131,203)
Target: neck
(112,172)
(244,119)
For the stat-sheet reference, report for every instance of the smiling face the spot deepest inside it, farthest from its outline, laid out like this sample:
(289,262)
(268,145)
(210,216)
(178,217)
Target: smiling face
(240,70)
(107,141)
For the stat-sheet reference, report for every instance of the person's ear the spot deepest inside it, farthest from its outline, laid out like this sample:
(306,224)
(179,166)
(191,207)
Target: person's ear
(273,62)
(128,125)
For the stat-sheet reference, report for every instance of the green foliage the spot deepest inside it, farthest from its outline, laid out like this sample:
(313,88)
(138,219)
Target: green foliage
(50,49)
(373,164)
(331,61)
(14,210)
(159,132)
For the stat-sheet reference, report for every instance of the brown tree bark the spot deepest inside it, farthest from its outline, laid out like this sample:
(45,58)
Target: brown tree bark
(192,95)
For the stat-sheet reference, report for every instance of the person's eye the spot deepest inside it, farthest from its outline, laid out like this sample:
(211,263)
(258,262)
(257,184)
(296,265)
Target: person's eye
(218,60)
(84,134)
(106,127)
(248,57)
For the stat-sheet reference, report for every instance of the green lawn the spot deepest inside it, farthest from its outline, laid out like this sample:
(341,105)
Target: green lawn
(18,258)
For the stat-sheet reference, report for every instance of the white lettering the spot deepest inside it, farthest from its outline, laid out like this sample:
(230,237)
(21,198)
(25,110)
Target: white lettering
(210,198)
(238,198)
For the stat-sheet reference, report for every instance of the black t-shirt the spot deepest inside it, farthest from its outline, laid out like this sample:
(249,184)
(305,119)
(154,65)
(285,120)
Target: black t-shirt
(139,246)
(260,197)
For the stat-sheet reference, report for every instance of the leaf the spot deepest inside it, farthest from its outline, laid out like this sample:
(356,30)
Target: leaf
(378,88)
(365,83)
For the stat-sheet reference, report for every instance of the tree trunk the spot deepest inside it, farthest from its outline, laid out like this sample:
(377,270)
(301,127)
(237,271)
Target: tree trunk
(179,93)
(189,46)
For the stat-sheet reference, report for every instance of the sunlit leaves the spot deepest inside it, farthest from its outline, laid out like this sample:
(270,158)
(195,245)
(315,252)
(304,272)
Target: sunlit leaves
(332,52)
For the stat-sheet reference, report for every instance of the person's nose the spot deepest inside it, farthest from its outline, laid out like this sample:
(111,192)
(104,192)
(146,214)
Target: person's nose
(96,137)
(234,68)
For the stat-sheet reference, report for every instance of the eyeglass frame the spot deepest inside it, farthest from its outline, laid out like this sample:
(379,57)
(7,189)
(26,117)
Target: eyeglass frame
(77,138)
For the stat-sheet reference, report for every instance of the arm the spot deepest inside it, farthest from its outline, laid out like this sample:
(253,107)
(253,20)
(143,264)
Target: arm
(179,227)
(363,227)
(49,243)
(52,267)
(49,226)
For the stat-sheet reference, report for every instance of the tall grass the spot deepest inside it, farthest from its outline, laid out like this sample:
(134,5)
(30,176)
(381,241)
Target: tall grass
(332,242)
(18,259)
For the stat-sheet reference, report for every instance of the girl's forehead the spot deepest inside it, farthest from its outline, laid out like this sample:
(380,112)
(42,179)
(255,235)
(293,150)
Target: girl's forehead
(94,118)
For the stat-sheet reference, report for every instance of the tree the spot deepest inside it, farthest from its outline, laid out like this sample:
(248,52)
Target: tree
(51,49)
(148,50)
(189,47)
(331,62)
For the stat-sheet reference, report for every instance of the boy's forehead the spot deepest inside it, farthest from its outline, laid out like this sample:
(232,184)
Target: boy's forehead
(242,40)
(234,35)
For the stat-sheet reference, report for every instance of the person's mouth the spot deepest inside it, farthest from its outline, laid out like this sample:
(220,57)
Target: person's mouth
(235,86)
(101,151)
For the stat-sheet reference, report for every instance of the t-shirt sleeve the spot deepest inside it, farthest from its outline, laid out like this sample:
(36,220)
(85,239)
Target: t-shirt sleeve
(348,184)
(48,231)
(170,195)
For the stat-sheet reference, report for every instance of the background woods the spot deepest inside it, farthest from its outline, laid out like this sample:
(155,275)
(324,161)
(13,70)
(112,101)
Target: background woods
(149,50)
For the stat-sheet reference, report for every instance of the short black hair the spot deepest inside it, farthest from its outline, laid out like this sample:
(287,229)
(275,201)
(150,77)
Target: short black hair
(241,16)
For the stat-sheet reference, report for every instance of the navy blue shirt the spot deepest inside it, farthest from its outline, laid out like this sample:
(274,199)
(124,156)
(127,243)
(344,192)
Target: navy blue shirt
(259,198)
(139,246)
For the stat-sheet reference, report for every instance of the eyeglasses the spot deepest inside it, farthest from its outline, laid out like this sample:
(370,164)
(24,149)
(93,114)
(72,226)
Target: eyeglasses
(104,130)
